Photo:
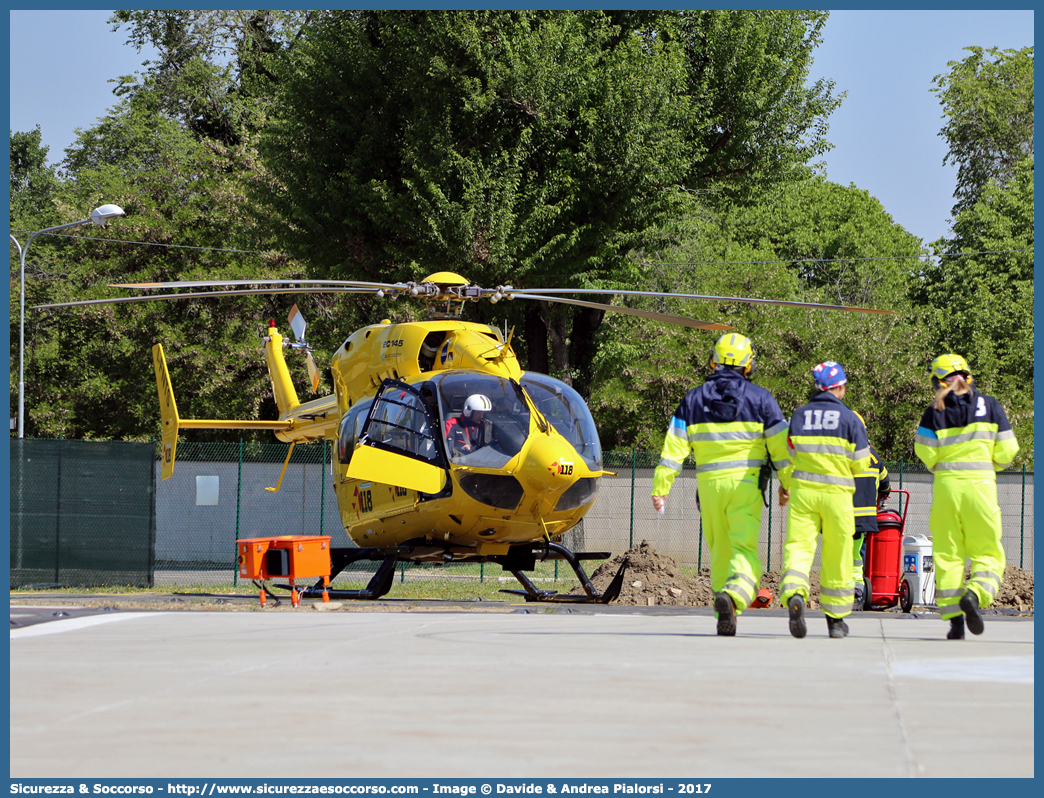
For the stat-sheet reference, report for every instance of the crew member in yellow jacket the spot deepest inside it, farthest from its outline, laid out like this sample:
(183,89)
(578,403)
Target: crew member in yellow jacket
(732,427)
(828,450)
(964,439)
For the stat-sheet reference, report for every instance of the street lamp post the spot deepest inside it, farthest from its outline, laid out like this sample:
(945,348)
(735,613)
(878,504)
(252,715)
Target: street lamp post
(99,216)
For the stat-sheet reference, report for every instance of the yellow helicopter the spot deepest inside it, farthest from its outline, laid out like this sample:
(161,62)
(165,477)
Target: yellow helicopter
(445,449)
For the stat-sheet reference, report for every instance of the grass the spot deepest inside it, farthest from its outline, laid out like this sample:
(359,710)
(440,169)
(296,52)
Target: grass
(447,583)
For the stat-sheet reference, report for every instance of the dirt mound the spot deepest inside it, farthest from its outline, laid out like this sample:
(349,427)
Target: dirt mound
(770,580)
(651,578)
(654,579)
(1017,590)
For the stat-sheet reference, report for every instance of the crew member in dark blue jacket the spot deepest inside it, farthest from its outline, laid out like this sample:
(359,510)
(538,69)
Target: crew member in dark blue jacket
(828,449)
(732,427)
(871,488)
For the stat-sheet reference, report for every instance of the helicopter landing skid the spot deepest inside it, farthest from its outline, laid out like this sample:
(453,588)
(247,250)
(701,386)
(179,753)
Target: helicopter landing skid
(555,551)
(380,583)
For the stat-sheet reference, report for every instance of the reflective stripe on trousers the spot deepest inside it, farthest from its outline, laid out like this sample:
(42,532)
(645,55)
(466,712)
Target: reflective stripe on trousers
(810,511)
(965,523)
(730,508)
(743,585)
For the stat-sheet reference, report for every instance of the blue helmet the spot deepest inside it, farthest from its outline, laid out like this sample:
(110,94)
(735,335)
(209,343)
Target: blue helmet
(829,375)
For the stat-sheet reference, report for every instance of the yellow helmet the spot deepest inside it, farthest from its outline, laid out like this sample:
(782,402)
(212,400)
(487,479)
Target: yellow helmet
(945,365)
(733,350)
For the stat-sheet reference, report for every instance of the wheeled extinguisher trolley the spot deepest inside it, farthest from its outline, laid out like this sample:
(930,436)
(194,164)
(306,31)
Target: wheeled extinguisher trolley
(884,584)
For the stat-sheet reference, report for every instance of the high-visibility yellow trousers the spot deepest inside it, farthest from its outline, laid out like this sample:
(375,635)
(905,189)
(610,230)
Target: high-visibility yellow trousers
(730,508)
(965,522)
(811,510)
(857,559)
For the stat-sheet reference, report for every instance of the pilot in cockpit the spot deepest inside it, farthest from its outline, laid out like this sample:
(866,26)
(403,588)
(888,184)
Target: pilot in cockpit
(470,430)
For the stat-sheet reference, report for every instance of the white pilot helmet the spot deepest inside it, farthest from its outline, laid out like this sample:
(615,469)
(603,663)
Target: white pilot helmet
(477,401)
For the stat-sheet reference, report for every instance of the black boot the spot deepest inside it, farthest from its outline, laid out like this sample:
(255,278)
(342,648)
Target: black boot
(956,628)
(796,606)
(726,615)
(837,627)
(970,605)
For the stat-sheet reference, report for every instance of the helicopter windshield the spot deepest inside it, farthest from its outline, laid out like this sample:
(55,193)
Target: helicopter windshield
(568,413)
(485,418)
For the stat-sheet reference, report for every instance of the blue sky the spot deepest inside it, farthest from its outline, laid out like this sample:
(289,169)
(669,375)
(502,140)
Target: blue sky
(885,132)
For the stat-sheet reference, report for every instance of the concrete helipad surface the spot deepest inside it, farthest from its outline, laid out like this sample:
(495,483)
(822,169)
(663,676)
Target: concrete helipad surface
(508,691)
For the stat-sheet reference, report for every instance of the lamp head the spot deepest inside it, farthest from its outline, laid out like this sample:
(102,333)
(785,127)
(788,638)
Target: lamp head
(101,215)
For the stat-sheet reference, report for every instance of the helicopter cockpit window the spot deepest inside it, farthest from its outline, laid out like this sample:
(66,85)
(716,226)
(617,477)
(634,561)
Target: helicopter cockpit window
(348,434)
(568,414)
(401,422)
(485,418)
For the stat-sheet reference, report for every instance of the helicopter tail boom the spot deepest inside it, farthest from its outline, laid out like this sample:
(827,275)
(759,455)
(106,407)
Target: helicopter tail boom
(172,421)
(168,410)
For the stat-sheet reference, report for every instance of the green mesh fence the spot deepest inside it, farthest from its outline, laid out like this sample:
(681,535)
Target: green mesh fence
(74,521)
(82,513)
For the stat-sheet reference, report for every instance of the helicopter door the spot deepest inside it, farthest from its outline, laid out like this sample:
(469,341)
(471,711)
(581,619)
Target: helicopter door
(400,444)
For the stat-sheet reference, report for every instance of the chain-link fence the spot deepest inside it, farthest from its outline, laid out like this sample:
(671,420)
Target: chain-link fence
(88,513)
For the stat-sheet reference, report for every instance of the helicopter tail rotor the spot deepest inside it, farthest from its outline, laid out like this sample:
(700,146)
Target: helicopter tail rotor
(298,325)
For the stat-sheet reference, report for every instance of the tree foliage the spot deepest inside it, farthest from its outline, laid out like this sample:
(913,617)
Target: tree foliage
(977,298)
(987,101)
(530,148)
(814,241)
(34,184)
(89,369)
(215,70)
(756,122)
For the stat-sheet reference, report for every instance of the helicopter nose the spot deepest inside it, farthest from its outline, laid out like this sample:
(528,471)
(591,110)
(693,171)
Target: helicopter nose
(548,467)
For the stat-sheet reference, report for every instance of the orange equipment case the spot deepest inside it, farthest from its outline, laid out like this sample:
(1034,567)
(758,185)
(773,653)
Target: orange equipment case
(292,556)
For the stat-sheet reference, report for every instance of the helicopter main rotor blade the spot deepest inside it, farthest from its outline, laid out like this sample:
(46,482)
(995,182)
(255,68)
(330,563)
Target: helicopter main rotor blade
(645,314)
(232,283)
(199,294)
(522,292)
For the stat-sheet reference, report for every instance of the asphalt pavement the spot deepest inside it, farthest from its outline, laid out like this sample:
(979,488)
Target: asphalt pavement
(499,690)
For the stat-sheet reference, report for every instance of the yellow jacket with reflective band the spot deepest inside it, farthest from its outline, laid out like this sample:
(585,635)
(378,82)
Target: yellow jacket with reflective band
(729,424)
(828,446)
(969,437)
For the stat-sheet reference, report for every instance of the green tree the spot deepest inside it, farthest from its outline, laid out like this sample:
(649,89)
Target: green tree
(174,152)
(756,122)
(33,183)
(215,70)
(987,101)
(530,148)
(978,296)
(35,205)
(813,241)
(89,368)
(840,241)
